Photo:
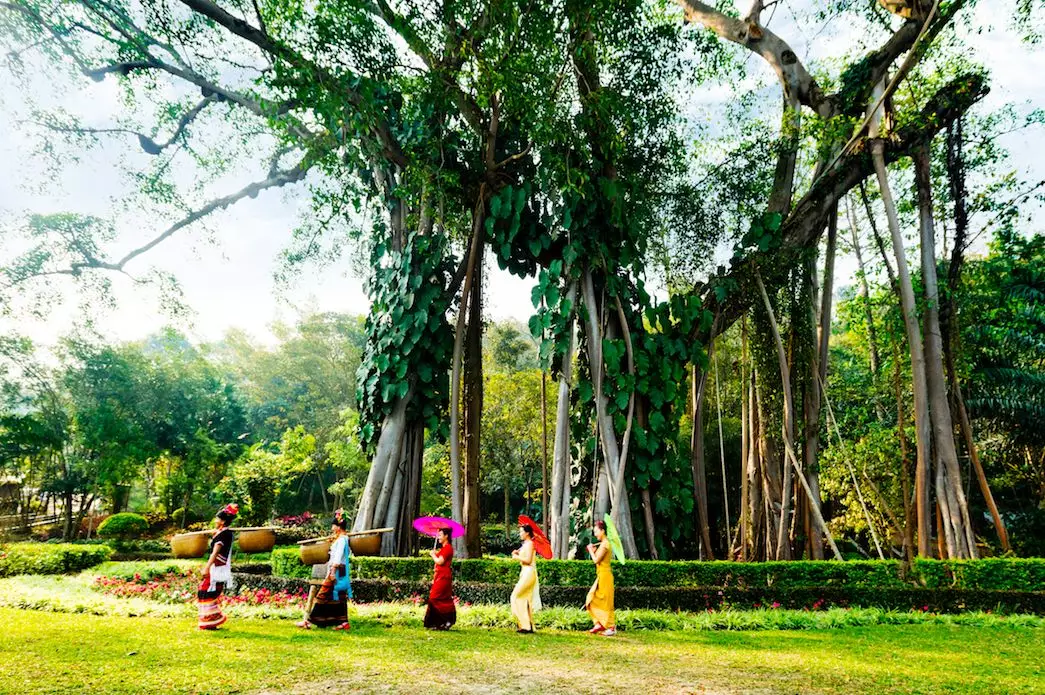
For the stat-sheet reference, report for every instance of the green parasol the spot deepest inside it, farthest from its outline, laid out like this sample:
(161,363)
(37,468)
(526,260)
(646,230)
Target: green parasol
(611,533)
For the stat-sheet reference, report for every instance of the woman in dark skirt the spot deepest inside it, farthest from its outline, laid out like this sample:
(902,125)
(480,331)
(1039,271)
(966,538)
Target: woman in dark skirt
(330,607)
(217,573)
(442,612)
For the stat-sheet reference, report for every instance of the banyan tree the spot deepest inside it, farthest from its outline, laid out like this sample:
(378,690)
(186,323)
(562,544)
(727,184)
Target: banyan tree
(549,138)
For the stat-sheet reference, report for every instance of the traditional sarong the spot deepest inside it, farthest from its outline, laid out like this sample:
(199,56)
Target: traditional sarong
(209,598)
(599,602)
(213,586)
(442,612)
(330,607)
(526,597)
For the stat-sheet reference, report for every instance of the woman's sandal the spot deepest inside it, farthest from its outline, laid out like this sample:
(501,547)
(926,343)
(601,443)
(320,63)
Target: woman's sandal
(596,630)
(609,633)
(343,626)
(304,625)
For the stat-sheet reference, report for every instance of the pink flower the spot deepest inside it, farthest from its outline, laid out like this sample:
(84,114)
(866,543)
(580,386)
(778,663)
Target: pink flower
(776,604)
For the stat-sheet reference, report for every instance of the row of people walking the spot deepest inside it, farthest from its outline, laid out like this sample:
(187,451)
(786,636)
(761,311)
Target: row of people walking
(331,590)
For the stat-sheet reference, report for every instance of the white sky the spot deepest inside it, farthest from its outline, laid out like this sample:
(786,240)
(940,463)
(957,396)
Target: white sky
(227,280)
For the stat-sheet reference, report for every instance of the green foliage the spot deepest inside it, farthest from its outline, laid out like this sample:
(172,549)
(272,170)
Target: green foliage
(125,526)
(50,558)
(1018,575)
(695,599)
(408,340)
(258,477)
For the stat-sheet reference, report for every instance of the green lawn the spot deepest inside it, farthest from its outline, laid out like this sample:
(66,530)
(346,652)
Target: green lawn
(43,652)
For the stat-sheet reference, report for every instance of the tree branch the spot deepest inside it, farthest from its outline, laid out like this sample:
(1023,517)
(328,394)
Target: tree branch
(808,217)
(389,145)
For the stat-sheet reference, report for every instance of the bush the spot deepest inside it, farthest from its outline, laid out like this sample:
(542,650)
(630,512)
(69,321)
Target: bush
(993,574)
(50,558)
(125,526)
(158,522)
(496,541)
(290,535)
(700,599)
(180,520)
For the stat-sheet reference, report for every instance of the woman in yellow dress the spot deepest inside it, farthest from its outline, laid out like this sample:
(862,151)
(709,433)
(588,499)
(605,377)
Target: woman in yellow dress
(600,597)
(526,597)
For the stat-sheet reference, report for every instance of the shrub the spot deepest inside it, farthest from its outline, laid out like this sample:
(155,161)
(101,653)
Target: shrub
(50,558)
(289,535)
(158,522)
(701,598)
(303,519)
(497,541)
(286,563)
(124,526)
(993,574)
(180,520)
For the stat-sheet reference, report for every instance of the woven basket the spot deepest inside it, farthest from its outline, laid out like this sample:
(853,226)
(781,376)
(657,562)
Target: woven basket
(370,544)
(259,540)
(315,551)
(185,545)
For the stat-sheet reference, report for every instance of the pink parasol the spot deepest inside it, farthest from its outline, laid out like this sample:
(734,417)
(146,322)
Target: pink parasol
(431,525)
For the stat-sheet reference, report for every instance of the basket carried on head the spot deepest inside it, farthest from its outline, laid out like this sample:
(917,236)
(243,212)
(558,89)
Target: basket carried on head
(190,545)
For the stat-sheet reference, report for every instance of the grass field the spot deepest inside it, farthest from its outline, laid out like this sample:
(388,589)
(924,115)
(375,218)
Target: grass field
(44,652)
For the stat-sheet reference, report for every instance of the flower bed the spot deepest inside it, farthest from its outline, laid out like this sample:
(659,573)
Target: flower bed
(180,586)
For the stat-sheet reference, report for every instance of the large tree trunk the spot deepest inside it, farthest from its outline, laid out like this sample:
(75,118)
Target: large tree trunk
(698,469)
(386,460)
(403,541)
(940,413)
(620,509)
(559,527)
(473,409)
(914,342)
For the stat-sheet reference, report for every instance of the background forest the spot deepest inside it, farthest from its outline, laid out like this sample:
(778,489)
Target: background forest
(803,319)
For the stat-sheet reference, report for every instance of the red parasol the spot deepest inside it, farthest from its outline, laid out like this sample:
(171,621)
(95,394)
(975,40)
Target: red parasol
(540,541)
(432,525)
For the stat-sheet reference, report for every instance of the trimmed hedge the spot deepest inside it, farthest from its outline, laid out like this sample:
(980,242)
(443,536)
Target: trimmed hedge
(699,599)
(994,574)
(50,558)
(125,526)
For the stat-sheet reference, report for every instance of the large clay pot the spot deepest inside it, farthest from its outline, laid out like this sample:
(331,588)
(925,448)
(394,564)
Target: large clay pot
(315,551)
(370,544)
(185,545)
(256,540)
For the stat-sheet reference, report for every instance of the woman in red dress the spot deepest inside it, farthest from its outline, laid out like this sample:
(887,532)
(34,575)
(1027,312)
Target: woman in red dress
(442,613)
